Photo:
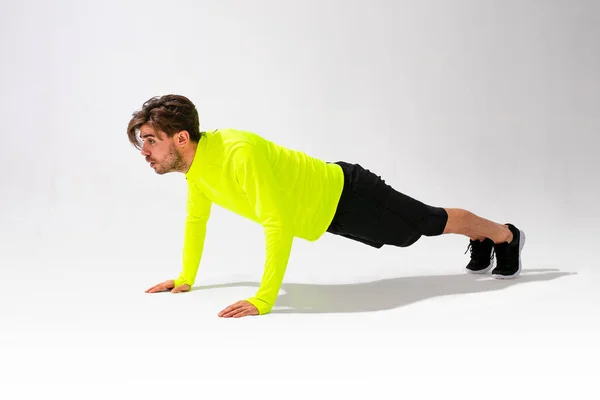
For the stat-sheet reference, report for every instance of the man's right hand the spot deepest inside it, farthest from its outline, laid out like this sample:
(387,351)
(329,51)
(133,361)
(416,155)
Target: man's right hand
(169,285)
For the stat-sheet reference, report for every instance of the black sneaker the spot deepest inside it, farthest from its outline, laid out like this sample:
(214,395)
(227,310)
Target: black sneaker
(481,256)
(508,255)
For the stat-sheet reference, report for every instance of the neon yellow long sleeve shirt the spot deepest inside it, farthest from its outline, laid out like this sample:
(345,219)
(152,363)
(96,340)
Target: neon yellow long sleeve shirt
(288,192)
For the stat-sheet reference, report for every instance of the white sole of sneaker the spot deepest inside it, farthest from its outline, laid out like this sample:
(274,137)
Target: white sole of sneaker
(521,244)
(482,271)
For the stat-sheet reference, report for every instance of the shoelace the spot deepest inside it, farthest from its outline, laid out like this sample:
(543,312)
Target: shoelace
(470,247)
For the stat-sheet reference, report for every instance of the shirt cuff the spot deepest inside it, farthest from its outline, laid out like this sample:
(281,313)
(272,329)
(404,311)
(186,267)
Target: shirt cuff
(262,306)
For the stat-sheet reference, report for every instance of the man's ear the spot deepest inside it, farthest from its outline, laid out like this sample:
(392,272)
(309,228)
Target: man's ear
(183,137)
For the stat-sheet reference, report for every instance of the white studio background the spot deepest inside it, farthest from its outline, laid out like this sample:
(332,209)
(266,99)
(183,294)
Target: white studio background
(492,106)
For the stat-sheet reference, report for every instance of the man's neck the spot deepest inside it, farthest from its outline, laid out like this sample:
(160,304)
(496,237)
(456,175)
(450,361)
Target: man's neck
(188,157)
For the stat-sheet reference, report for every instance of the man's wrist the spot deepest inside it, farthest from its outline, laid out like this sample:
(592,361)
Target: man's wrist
(262,306)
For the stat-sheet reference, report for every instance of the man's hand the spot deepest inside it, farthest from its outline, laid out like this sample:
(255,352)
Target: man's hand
(169,285)
(240,309)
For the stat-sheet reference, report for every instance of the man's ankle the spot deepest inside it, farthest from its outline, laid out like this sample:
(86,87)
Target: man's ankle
(506,237)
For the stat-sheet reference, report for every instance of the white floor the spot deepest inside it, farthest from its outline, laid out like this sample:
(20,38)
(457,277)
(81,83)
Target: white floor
(389,323)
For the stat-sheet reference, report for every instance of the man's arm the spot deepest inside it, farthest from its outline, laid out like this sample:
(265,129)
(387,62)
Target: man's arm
(198,212)
(255,175)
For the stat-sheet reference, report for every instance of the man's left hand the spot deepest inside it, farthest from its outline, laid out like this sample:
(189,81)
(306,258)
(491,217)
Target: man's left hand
(242,308)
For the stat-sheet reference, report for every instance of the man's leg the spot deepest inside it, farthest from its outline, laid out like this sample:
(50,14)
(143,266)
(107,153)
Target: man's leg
(466,223)
(374,210)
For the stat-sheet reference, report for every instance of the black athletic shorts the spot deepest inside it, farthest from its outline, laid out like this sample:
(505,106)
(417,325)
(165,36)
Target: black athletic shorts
(372,212)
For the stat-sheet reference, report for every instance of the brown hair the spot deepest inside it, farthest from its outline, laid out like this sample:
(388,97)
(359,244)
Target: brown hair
(170,114)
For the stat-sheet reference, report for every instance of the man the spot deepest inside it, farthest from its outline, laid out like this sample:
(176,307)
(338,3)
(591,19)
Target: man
(292,194)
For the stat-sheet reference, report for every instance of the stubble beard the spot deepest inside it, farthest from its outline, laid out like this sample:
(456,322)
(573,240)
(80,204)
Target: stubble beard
(172,163)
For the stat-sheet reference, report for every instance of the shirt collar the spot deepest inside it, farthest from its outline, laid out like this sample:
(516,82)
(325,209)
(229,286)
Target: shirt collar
(196,167)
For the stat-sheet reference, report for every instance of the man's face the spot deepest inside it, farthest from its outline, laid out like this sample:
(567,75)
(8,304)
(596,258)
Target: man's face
(160,151)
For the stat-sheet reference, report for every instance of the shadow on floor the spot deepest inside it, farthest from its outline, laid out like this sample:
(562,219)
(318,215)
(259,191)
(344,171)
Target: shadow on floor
(387,294)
